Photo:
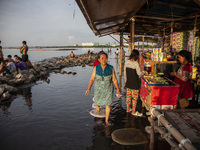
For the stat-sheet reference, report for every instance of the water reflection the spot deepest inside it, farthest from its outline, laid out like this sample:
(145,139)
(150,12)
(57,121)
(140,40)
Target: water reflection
(4,107)
(27,94)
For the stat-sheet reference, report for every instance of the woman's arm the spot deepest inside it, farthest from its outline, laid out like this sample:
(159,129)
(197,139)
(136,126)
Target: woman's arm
(114,79)
(138,70)
(179,77)
(92,78)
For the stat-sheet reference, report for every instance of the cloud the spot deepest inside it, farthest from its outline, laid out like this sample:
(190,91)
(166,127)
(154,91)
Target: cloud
(43,22)
(70,40)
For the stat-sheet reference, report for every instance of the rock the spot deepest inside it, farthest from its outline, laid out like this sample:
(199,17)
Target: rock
(69,72)
(73,73)
(83,65)
(9,88)
(47,80)
(57,71)
(32,78)
(32,71)
(90,64)
(62,72)
(6,96)
(18,81)
(18,76)
(1,90)
(24,72)
(4,79)
(43,73)
(129,136)
(24,77)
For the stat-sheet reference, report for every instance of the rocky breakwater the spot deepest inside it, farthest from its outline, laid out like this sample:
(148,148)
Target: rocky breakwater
(10,84)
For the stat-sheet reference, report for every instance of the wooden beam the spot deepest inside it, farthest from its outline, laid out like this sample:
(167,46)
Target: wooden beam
(121,53)
(197,1)
(114,38)
(176,5)
(132,32)
(150,17)
(122,37)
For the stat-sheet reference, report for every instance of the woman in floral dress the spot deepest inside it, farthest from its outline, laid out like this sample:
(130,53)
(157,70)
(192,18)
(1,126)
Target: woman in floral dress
(104,76)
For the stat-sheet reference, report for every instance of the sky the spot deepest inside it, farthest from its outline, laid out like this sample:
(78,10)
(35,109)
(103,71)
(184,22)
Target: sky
(45,23)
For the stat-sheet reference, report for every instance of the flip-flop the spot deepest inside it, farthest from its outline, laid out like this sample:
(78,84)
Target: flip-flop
(137,114)
(129,110)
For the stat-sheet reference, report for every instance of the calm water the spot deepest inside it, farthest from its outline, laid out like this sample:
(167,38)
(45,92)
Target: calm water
(55,116)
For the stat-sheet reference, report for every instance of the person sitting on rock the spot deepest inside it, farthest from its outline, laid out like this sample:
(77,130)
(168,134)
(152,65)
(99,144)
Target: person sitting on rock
(20,64)
(3,68)
(9,58)
(10,65)
(15,58)
(71,55)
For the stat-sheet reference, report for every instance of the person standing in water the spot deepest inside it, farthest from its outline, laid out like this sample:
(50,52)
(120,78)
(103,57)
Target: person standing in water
(104,76)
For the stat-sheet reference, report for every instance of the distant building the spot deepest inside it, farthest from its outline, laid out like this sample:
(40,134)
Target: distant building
(75,44)
(96,44)
(88,44)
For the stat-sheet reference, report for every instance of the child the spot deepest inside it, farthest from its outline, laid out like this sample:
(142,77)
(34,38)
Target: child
(132,72)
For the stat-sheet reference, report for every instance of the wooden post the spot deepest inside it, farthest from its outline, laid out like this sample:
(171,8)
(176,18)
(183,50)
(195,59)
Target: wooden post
(194,39)
(121,53)
(152,138)
(171,40)
(143,43)
(132,34)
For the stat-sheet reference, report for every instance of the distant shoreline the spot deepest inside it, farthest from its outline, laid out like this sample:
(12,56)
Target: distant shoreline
(50,49)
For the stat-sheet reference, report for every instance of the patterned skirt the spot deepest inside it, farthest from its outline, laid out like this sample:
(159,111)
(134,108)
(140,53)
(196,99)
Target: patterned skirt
(103,90)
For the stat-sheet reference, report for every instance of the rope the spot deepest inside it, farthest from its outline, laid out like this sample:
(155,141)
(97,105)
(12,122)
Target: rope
(169,131)
(183,142)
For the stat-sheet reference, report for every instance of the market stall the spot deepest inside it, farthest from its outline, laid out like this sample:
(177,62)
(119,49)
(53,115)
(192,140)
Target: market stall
(158,92)
(158,61)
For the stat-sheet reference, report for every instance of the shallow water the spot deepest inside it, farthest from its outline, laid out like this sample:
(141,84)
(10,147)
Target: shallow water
(55,116)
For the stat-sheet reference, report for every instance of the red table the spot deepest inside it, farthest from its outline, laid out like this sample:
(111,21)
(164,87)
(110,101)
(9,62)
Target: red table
(159,96)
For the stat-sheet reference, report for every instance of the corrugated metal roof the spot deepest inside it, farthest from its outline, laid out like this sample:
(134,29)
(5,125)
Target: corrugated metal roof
(151,16)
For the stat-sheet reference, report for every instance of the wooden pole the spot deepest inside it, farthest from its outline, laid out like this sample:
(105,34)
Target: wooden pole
(143,43)
(194,39)
(174,132)
(132,34)
(171,40)
(114,38)
(121,53)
